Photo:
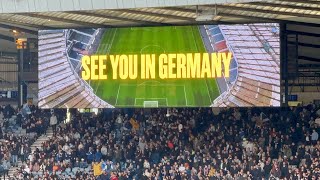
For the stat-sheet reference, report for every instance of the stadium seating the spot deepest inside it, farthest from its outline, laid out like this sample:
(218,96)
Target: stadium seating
(90,31)
(80,37)
(257,77)
(59,82)
(17,128)
(219,45)
(238,143)
(7,71)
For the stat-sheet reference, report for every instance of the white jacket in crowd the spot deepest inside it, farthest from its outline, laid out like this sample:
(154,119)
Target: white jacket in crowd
(53,120)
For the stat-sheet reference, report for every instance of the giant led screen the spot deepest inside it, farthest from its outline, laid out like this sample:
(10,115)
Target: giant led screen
(171,66)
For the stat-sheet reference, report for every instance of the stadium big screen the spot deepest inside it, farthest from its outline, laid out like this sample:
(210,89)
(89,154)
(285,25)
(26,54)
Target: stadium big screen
(172,66)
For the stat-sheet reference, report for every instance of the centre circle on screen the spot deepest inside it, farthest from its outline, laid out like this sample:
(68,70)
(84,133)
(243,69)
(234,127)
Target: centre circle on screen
(167,66)
(152,49)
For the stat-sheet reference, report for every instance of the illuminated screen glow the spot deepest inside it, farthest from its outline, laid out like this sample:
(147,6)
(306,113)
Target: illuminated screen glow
(172,66)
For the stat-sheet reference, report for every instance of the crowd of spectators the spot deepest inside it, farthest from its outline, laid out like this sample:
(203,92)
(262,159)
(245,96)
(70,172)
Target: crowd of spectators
(19,128)
(235,143)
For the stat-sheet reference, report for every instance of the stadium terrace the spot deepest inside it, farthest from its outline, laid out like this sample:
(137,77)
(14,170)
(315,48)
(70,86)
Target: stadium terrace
(168,66)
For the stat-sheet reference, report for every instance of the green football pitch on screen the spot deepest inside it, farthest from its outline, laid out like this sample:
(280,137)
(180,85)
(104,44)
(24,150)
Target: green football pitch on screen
(156,92)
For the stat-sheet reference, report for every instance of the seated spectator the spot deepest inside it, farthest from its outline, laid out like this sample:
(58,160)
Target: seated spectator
(104,176)
(55,167)
(35,167)
(77,163)
(90,155)
(19,132)
(186,144)
(83,164)
(98,156)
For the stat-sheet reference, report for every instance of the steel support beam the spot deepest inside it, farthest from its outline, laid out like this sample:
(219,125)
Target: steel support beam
(309,58)
(303,33)
(304,84)
(292,5)
(109,16)
(242,19)
(8,63)
(58,19)
(310,66)
(284,62)
(183,9)
(303,1)
(243,7)
(5,53)
(5,26)
(305,44)
(7,38)
(156,14)
(258,18)
(20,78)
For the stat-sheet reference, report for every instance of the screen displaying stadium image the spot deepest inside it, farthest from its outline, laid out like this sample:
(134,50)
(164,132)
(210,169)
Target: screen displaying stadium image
(169,66)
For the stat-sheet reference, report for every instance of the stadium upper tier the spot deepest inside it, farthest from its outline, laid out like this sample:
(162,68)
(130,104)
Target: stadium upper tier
(59,85)
(256,49)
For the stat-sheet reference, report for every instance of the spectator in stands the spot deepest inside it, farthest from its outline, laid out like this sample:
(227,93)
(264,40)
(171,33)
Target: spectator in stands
(5,166)
(15,143)
(14,154)
(103,176)
(35,167)
(97,168)
(314,136)
(53,122)
(185,144)
(8,111)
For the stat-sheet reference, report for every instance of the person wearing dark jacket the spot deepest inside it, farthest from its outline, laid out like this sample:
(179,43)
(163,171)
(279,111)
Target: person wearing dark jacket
(284,168)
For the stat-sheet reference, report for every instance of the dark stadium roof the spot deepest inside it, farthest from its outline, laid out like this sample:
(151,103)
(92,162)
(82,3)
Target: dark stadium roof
(295,11)
(287,10)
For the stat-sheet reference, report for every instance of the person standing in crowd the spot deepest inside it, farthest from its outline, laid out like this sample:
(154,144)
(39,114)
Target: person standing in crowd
(97,169)
(314,137)
(6,166)
(53,123)
(14,155)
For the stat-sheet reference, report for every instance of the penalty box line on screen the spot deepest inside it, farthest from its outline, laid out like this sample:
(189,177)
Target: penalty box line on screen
(135,100)
(152,85)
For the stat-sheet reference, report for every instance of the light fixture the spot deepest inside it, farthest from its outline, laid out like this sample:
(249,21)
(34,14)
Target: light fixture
(207,15)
